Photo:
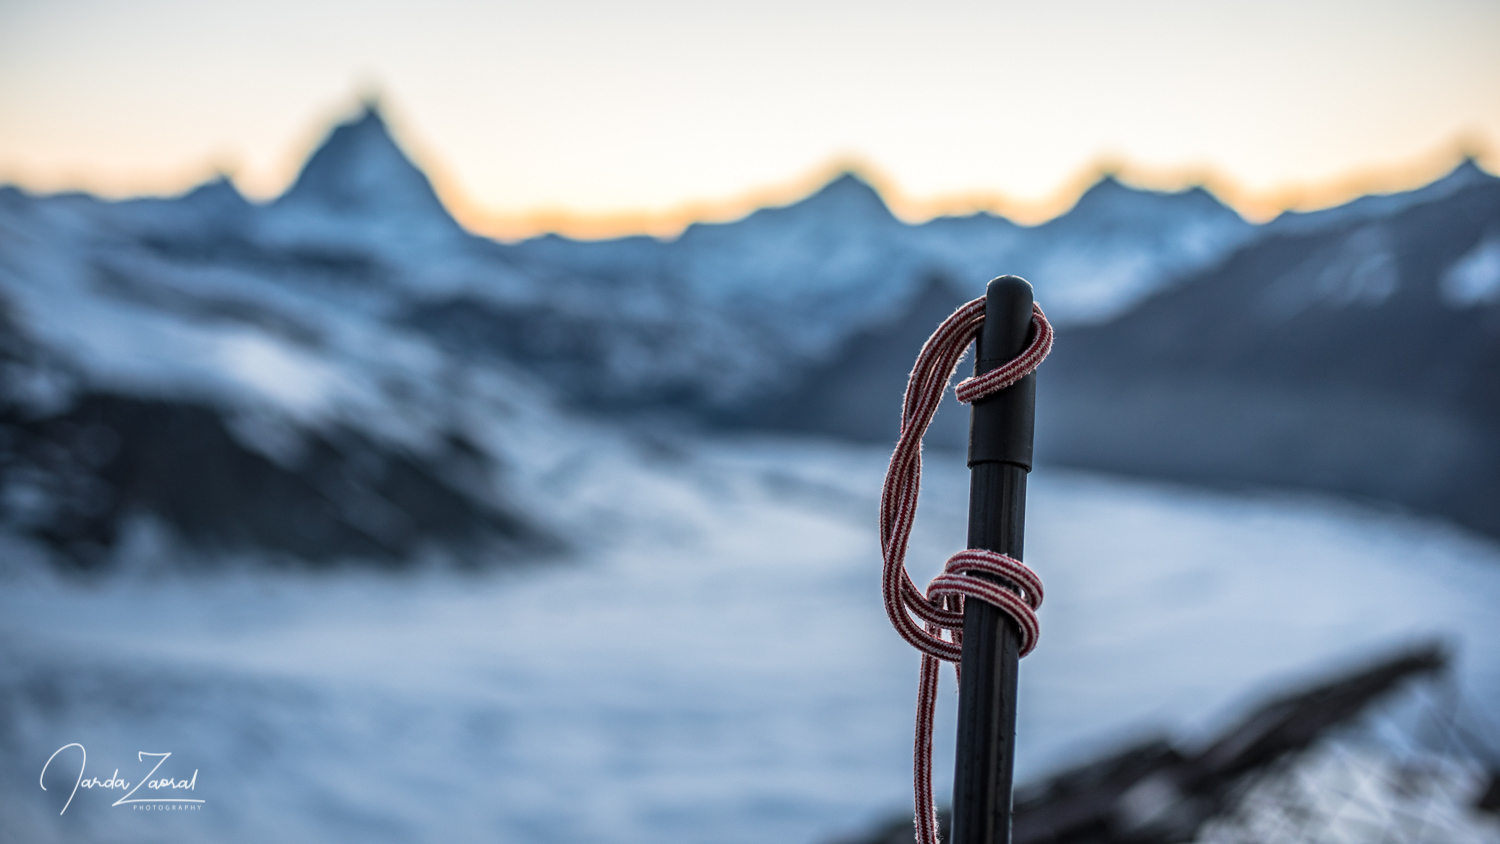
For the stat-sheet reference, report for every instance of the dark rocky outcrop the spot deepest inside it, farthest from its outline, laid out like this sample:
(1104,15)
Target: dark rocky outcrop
(109,456)
(77,463)
(1156,792)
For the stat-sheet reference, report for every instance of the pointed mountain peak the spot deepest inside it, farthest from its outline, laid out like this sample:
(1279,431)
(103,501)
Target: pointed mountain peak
(847,195)
(847,186)
(1107,192)
(214,203)
(1109,187)
(1110,197)
(1468,172)
(1109,180)
(216,199)
(369,116)
(848,182)
(360,171)
(218,192)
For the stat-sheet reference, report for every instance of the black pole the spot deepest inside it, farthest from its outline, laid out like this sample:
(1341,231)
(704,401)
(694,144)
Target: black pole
(1000,437)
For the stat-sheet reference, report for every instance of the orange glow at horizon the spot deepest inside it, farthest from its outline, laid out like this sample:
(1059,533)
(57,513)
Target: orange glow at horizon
(596,119)
(1257,207)
(667,223)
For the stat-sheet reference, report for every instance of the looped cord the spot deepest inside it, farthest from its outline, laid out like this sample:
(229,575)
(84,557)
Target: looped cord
(921,618)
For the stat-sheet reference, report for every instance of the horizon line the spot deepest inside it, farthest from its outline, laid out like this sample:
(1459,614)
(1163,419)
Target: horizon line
(1256,208)
(668,223)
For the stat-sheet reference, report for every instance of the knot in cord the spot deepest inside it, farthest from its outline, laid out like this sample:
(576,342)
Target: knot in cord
(922,618)
(957,580)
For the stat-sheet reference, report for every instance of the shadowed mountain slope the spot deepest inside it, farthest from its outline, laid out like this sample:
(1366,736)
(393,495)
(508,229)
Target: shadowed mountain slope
(1359,356)
(1362,359)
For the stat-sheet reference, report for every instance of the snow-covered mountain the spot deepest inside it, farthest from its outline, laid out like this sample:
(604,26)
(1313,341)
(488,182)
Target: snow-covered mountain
(359,184)
(1353,350)
(1361,356)
(1465,175)
(198,370)
(787,287)
(348,352)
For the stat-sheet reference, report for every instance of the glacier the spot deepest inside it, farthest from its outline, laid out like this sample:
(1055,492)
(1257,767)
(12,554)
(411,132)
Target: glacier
(718,668)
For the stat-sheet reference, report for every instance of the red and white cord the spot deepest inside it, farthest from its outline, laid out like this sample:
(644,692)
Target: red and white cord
(921,618)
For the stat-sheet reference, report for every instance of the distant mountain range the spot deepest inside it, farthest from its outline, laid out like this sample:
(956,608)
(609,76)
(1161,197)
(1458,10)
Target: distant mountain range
(1362,358)
(345,372)
(1356,351)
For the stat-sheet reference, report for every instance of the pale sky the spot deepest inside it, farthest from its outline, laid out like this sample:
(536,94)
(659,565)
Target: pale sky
(640,114)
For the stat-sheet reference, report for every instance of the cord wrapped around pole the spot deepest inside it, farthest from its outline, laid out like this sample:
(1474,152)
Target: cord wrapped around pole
(1005,588)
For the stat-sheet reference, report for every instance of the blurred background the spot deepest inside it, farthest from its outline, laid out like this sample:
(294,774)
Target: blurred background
(466,422)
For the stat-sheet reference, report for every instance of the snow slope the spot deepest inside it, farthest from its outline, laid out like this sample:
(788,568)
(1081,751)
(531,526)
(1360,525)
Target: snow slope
(720,670)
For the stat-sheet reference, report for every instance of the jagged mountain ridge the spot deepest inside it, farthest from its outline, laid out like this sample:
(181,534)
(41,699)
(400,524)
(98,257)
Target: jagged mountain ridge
(353,318)
(715,318)
(1467,174)
(784,288)
(1359,357)
(750,302)
(1355,353)
(839,261)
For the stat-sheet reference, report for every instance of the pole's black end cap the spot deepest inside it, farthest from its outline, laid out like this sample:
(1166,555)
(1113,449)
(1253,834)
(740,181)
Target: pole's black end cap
(1002,424)
(1007,321)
